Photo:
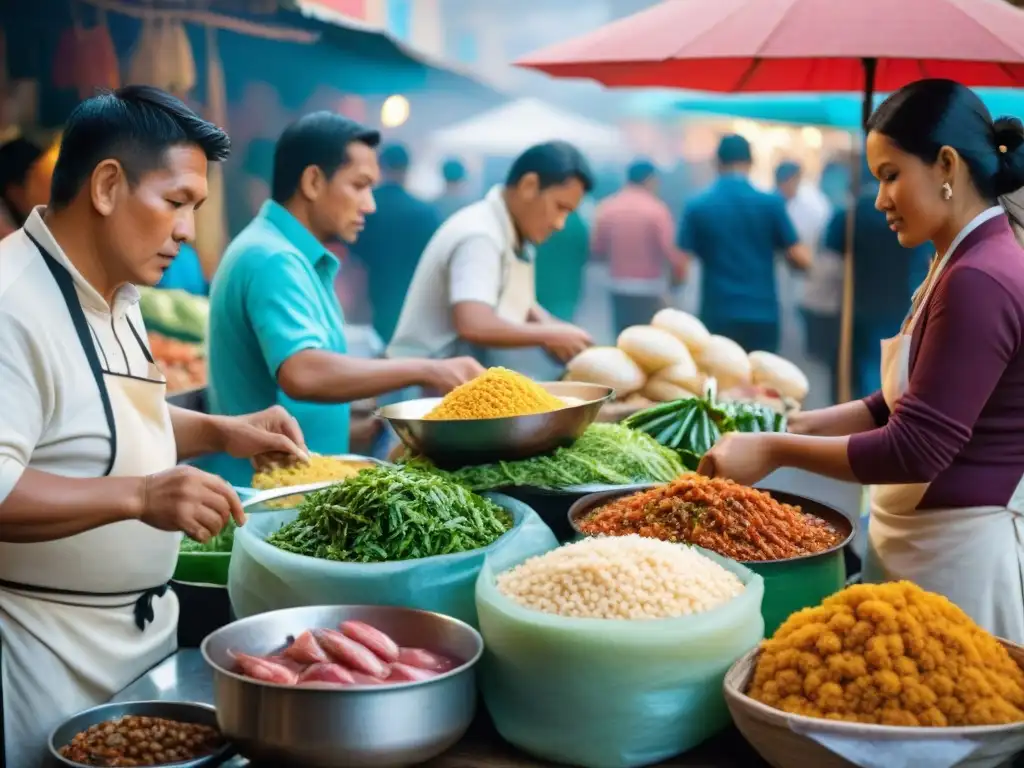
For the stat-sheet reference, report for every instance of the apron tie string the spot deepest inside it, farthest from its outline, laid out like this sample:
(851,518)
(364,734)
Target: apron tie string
(144,613)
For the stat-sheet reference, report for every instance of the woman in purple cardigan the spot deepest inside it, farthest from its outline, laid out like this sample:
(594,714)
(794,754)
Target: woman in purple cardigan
(942,443)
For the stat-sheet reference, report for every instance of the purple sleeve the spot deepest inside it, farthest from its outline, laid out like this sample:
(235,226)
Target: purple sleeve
(878,407)
(973,330)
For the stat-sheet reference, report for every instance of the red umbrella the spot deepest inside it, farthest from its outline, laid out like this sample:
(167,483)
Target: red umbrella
(797,45)
(800,45)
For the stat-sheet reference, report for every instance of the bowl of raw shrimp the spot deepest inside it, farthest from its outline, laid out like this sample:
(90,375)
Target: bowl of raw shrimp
(356,686)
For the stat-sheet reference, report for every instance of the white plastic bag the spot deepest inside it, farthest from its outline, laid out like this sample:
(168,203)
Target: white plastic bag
(264,578)
(603,693)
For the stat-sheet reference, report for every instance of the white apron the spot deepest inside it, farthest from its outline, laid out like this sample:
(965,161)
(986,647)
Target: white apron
(82,617)
(973,555)
(517,298)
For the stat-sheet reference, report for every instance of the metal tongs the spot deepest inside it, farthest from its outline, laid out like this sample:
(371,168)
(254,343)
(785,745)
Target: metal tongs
(280,493)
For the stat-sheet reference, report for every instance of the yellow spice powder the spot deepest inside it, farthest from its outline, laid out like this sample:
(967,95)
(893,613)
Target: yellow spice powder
(496,393)
(889,654)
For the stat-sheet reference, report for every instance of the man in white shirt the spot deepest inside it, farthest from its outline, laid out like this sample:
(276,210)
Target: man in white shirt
(92,504)
(473,290)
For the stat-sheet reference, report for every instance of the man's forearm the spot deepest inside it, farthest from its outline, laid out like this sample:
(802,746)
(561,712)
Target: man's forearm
(538,314)
(45,507)
(327,377)
(486,329)
(196,434)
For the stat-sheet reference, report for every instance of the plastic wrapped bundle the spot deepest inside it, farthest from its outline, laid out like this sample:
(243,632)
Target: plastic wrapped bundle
(264,578)
(612,693)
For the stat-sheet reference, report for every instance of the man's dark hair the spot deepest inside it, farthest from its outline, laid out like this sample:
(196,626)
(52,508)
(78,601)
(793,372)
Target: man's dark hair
(555,163)
(640,171)
(17,157)
(134,125)
(734,150)
(394,157)
(321,139)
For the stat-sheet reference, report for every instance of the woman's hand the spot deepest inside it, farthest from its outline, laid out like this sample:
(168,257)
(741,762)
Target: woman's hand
(267,437)
(745,458)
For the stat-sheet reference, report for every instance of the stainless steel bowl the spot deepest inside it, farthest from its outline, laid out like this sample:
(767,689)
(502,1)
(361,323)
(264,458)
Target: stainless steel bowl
(481,441)
(386,726)
(181,711)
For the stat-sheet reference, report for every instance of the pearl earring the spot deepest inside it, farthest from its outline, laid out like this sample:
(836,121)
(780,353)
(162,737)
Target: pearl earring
(947,191)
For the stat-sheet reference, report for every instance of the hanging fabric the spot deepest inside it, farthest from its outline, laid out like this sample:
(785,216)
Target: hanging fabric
(211,222)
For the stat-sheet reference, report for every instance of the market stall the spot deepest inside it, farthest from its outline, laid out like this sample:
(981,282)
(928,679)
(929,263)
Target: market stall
(364,594)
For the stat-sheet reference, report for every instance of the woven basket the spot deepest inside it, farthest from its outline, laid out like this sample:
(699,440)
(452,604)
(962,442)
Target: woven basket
(794,741)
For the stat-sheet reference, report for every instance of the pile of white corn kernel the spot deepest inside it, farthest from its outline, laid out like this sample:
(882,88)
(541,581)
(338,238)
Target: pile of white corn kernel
(620,577)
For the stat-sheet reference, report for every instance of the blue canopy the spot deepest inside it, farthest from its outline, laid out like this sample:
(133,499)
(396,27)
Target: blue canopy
(831,110)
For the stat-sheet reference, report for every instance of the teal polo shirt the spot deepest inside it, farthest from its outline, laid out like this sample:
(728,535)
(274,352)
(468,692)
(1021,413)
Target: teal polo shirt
(736,230)
(272,297)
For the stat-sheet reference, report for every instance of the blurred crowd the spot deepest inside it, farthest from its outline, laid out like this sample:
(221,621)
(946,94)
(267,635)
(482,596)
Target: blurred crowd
(763,267)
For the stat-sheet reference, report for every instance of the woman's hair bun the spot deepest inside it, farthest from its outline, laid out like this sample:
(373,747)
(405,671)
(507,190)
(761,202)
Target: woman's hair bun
(1009,140)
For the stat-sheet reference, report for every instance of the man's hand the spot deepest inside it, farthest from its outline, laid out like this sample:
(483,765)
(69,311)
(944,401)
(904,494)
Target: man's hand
(445,375)
(267,437)
(565,341)
(189,500)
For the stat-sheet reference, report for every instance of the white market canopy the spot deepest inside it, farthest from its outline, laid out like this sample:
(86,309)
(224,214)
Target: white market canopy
(509,129)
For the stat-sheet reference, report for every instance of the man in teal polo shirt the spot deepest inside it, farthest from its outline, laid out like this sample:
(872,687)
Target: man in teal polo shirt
(276,327)
(735,231)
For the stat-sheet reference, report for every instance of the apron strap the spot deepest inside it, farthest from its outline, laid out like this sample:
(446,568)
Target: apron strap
(143,605)
(142,344)
(66,284)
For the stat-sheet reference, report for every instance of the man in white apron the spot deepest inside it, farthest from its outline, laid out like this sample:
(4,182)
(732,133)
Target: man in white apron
(973,556)
(92,505)
(474,288)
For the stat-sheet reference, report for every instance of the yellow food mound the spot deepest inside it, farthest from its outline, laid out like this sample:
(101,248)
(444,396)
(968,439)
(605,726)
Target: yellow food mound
(494,394)
(319,468)
(889,654)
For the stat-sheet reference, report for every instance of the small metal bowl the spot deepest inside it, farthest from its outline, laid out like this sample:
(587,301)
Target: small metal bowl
(181,711)
(465,442)
(376,726)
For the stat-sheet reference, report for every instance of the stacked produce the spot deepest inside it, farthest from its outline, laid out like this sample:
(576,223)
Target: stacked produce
(606,453)
(496,393)
(620,578)
(889,654)
(174,313)
(693,425)
(386,514)
(731,519)
(355,653)
(673,357)
(183,364)
(133,742)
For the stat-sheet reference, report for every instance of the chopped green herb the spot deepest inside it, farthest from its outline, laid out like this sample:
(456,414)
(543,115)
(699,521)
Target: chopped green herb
(606,453)
(386,513)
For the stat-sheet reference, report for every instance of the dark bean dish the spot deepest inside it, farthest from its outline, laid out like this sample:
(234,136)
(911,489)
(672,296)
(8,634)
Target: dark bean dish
(133,742)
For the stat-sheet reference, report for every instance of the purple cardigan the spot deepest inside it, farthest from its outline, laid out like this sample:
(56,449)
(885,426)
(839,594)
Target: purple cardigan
(960,425)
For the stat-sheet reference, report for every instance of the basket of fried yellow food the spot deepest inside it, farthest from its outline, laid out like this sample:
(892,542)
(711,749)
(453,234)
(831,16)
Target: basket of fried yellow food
(318,469)
(501,415)
(881,676)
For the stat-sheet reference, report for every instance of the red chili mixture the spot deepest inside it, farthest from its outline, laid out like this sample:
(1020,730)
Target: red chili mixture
(731,519)
(132,742)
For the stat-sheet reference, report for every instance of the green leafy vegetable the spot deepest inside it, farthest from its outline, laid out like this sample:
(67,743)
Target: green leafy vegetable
(605,453)
(222,542)
(386,513)
(692,426)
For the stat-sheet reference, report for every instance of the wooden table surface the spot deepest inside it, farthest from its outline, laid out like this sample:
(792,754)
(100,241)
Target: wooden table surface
(482,747)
